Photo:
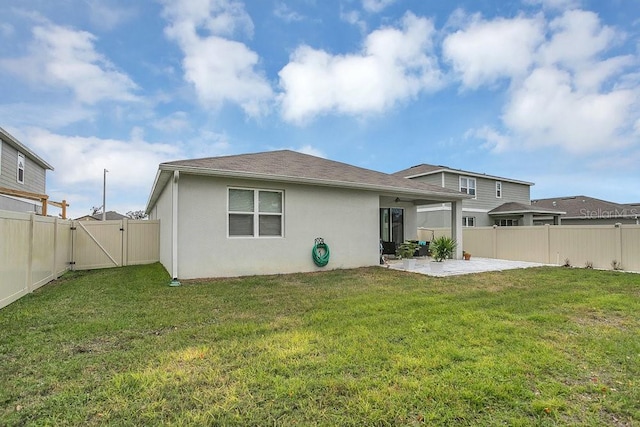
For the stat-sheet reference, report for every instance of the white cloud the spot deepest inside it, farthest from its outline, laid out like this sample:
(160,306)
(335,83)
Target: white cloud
(107,15)
(495,140)
(556,4)
(311,150)
(578,38)
(220,69)
(80,160)
(6,29)
(376,6)
(546,111)
(285,13)
(564,91)
(174,122)
(486,51)
(61,57)
(395,64)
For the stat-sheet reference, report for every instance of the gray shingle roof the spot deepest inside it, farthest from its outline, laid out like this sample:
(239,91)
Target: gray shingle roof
(521,208)
(588,207)
(426,169)
(295,167)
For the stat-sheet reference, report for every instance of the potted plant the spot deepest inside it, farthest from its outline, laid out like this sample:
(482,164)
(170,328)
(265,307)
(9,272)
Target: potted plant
(406,251)
(441,249)
(466,255)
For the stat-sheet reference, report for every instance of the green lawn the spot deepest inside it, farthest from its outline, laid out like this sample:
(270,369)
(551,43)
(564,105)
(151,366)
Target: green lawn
(548,346)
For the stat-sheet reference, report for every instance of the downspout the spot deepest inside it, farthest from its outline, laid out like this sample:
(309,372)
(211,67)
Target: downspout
(174,229)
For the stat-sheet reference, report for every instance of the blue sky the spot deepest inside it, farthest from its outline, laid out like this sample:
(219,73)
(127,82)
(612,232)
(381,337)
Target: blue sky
(546,91)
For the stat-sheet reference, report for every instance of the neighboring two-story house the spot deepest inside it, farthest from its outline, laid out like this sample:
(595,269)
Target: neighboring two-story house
(22,176)
(585,210)
(496,200)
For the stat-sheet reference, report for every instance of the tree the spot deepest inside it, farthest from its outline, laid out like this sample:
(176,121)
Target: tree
(137,215)
(95,210)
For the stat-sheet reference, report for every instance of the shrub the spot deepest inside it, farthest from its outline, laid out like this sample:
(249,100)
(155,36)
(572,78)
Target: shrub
(442,248)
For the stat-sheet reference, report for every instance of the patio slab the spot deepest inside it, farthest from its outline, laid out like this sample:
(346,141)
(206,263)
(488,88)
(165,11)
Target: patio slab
(455,267)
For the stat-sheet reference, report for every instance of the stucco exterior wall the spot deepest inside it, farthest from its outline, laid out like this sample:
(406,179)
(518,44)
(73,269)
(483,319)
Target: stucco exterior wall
(163,211)
(347,220)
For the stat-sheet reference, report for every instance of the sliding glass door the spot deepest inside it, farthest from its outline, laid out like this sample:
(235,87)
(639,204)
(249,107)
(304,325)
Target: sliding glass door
(392,225)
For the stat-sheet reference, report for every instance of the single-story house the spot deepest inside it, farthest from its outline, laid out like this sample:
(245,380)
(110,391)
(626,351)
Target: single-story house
(109,216)
(585,210)
(261,213)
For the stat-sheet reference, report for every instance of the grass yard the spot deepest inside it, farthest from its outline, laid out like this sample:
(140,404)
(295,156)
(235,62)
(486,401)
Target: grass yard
(547,346)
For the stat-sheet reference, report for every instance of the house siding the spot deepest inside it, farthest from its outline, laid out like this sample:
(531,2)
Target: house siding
(34,177)
(204,250)
(440,215)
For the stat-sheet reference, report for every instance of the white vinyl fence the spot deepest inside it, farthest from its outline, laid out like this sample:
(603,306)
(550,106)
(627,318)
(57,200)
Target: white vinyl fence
(35,250)
(598,245)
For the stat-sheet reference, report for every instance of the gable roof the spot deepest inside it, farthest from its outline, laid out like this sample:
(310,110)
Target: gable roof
(521,208)
(110,215)
(584,207)
(294,167)
(426,169)
(11,140)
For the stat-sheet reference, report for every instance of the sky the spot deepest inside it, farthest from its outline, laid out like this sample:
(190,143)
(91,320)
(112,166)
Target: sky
(546,91)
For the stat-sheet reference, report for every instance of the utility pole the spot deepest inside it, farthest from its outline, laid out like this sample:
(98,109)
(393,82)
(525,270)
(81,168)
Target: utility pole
(104,196)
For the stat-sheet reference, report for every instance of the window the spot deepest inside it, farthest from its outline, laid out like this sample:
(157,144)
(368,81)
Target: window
(468,185)
(20,176)
(0,156)
(255,213)
(506,222)
(498,190)
(468,221)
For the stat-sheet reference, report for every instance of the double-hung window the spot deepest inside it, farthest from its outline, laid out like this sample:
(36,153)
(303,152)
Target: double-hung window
(20,175)
(468,185)
(255,213)
(498,190)
(468,221)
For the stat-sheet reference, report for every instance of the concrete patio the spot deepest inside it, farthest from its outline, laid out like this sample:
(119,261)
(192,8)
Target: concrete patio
(454,267)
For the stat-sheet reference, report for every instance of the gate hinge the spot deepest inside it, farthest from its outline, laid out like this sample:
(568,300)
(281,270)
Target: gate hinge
(72,228)
(72,263)
(121,229)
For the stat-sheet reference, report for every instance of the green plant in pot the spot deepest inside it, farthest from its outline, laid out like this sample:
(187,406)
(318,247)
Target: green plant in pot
(406,251)
(442,248)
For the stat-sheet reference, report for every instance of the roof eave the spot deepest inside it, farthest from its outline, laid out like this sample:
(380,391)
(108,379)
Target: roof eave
(472,174)
(399,191)
(522,211)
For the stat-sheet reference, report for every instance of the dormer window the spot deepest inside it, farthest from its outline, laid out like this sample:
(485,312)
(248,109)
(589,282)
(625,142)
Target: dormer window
(468,186)
(20,174)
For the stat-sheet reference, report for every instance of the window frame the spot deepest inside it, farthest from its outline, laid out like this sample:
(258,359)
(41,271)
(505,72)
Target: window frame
(1,144)
(467,187)
(508,222)
(256,214)
(465,221)
(498,189)
(19,169)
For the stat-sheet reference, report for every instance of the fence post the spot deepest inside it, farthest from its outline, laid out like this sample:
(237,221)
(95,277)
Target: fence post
(54,273)
(548,243)
(618,242)
(32,224)
(125,242)
(494,238)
